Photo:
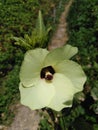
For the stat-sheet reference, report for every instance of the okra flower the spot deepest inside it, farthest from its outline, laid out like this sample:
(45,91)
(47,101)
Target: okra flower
(50,79)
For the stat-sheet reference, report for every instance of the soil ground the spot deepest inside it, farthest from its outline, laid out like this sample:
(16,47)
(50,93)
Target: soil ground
(60,37)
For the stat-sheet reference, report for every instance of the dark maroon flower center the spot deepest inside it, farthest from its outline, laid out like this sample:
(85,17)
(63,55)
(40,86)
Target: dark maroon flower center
(47,73)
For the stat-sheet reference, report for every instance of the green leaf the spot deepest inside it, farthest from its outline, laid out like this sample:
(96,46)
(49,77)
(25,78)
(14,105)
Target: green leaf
(38,38)
(95,126)
(21,42)
(40,27)
(94,90)
(40,31)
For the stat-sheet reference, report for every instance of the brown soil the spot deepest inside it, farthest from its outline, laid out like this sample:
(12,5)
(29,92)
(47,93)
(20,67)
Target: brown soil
(60,37)
(25,118)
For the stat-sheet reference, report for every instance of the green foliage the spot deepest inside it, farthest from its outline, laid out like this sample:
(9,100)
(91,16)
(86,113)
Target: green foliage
(44,125)
(9,56)
(10,60)
(83,23)
(83,27)
(74,113)
(95,127)
(6,59)
(46,121)
(38,38)
(9,94)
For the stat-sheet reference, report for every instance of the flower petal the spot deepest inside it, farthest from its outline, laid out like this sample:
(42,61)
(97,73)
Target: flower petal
(73,71)
(38,96)
(31,66)
(64,92)
(59,54)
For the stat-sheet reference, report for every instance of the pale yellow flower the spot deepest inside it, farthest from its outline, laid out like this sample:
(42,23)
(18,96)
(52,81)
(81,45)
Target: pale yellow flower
(50,79)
